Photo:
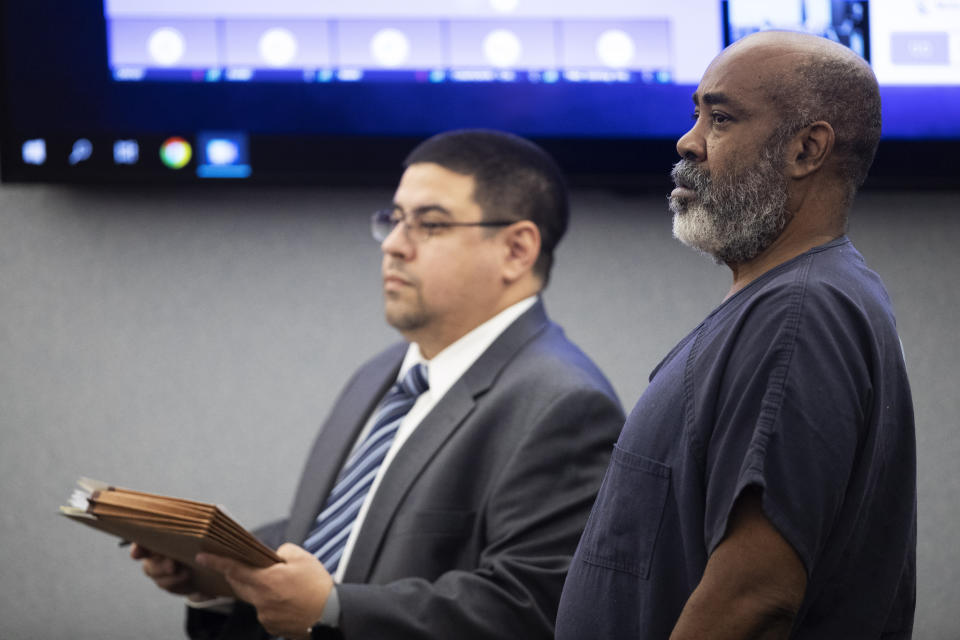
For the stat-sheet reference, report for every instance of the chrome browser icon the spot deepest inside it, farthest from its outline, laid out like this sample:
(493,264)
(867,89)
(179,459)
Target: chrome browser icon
(176,152)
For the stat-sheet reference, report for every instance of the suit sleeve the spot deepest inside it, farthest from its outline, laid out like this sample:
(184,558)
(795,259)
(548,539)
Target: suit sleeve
(533,519)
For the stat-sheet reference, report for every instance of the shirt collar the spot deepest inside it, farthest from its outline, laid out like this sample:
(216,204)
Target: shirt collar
(447,366)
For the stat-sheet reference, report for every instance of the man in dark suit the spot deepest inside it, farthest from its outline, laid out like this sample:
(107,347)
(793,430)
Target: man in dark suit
(459,522)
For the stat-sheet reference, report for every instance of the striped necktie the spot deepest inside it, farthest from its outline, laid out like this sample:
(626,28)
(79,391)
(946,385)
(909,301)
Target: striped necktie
(329,536)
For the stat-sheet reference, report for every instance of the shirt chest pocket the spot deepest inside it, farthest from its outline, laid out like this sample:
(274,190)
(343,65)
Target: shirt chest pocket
(622,530)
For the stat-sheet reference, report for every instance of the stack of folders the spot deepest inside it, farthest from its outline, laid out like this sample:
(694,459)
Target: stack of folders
(168,526)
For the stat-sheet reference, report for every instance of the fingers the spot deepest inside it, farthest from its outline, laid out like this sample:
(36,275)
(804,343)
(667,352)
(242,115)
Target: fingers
(166,573)
(242,578)
(160,566)
(154,564)
(290,552)
(178,581)
(289,596)
(234,571)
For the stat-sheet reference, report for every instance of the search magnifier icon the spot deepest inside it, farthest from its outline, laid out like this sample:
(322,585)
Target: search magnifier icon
(82,150)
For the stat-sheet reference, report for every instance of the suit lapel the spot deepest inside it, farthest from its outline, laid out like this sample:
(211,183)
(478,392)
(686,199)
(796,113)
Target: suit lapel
(428,438)
(337,437)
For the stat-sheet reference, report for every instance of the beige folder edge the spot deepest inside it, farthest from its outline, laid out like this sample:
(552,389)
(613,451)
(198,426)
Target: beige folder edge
(169,526)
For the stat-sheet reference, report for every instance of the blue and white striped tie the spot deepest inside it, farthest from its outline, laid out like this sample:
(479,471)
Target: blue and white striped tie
(333,525)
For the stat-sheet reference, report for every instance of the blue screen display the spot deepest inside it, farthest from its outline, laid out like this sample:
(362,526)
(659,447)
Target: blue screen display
(249,75)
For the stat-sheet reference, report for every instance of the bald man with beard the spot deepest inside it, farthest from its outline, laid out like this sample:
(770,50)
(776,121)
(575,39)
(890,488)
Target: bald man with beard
(764,486)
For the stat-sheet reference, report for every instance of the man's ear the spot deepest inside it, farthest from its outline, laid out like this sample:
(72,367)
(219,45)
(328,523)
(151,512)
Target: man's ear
(809,149)
(521,249)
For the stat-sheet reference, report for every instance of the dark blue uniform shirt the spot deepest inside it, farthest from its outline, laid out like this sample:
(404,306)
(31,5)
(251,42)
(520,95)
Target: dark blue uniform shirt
(795,385)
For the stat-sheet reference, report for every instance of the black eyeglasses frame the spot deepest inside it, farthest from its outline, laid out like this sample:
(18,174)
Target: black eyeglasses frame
(382,223)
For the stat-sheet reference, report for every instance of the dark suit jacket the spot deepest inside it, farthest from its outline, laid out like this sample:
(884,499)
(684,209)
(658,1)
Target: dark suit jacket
(475,521)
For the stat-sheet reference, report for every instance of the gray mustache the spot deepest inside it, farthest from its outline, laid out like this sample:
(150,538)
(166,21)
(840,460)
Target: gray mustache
(686,174)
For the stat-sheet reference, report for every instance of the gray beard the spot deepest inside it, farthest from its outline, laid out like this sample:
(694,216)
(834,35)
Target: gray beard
(734,216)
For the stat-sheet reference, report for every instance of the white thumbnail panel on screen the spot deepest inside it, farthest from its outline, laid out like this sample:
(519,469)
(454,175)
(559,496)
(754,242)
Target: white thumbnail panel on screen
(915,42)
(678,37)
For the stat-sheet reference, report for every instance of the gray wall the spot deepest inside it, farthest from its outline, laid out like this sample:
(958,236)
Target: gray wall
(189,342)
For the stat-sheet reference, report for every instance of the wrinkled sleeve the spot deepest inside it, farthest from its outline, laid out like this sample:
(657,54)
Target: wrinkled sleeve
(789,415)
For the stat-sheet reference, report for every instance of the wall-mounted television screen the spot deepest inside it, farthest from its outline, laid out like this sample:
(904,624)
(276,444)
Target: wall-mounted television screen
(322,90)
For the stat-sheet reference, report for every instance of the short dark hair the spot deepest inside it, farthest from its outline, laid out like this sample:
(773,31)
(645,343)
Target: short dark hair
(841,90)
(514,180)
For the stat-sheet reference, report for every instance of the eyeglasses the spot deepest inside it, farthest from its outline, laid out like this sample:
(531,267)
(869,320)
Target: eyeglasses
(417,230)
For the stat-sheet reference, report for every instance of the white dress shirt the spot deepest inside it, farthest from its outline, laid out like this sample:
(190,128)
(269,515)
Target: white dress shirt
(443,371)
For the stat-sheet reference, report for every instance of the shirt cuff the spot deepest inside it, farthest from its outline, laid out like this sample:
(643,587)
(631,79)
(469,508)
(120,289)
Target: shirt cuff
(222,605)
